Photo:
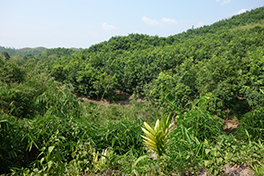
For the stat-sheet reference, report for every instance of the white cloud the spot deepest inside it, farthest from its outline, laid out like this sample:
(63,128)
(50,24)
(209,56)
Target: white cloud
(223,1)
(226,1)
(106,26)
(154,22)
(149,21)
(242,11)
(168,20)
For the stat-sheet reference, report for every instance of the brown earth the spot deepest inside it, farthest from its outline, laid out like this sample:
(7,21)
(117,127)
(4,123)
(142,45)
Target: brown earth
(230,126)
(127,98)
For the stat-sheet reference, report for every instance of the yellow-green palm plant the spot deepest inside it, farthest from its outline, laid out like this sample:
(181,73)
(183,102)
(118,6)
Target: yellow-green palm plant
(156,138)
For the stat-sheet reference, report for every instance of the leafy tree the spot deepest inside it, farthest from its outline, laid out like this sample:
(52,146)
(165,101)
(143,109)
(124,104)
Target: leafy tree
(5,55)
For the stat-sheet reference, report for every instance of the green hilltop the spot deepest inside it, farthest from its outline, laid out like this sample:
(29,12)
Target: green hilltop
(22,51)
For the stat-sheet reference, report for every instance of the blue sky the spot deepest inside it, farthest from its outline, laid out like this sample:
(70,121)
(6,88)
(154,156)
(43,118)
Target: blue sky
(81,23)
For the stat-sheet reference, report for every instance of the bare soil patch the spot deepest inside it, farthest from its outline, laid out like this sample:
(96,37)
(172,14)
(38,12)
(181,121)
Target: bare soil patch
(125,99)
(230,126)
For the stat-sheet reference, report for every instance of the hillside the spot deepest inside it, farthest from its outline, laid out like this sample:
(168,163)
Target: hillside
(22,51)
(191,83)
(139,64)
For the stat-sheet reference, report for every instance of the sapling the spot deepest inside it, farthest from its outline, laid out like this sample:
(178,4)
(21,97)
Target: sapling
(156,138)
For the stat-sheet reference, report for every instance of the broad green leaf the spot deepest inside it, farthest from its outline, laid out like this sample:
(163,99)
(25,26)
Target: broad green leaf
(207,162)
(148,139)
(207,151)
(157,142)
(152,147)
(149,135)
(157,126)
(50,149)
(149,128)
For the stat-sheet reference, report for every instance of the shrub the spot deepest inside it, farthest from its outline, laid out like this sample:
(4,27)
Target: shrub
(253,123)
(122,135)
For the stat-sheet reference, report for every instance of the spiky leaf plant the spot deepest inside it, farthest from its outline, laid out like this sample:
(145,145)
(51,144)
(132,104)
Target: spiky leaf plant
(156,138)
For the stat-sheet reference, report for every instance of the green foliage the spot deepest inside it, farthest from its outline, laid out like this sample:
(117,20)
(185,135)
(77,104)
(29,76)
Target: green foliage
(253,123)
(187,152)
(190,155)
(217,56)
(23,51)
(207,73)
(121,135)
(249,17)
(113,112)
(58,100)
(258,168)
(5,55)
(156,138)
(104,85)
(11,147)
(202,124)
(177,89)
(193,126)
(253,81)
(10,72)
(196,119)
(56,52)
(20,87)
(18,100)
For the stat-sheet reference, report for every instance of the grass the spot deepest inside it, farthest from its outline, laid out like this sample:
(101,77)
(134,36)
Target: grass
(134,110)
(112,143)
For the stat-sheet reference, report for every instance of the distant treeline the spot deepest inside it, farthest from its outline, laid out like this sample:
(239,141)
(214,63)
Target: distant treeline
(23,51)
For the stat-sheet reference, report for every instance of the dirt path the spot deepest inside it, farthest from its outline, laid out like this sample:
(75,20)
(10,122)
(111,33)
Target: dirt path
(127,98)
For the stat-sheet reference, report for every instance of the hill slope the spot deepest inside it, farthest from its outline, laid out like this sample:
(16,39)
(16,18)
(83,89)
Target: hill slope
(23,51)
(224,58)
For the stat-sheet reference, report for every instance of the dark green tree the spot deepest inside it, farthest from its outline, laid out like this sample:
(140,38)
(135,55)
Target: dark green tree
(5,54)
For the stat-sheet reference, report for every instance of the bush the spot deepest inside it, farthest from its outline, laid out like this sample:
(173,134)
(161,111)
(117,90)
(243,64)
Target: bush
(253,123)
(122,135)
(12,149)
(10,72)
(200,122)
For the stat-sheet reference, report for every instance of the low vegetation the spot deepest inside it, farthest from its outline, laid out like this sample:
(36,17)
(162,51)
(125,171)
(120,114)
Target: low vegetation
(191,84)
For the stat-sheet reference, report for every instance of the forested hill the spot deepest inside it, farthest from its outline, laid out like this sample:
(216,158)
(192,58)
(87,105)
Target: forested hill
(137,41)
(225,58)
(249,17)
(22,51)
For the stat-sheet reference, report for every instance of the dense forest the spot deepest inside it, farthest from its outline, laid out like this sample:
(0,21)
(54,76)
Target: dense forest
(195,82)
